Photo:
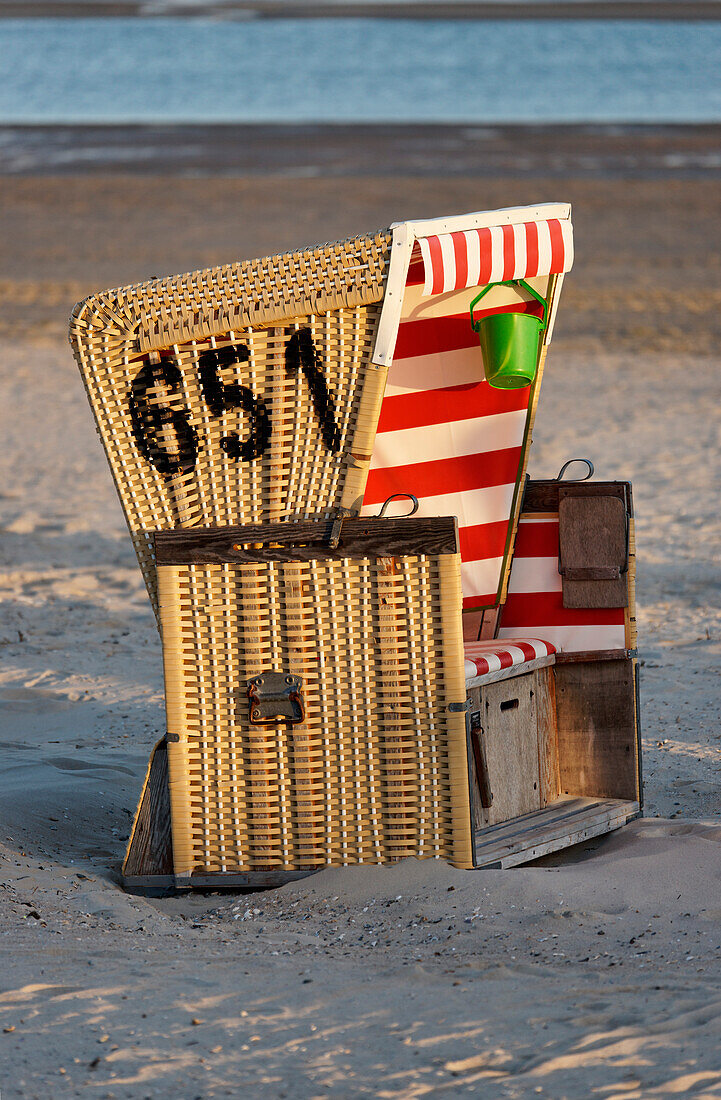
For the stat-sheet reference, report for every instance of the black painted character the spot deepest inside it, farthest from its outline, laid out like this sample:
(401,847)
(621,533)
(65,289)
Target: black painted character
(220,396)
(300,353)
(163,434)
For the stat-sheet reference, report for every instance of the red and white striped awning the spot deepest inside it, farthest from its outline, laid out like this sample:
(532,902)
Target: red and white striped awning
(476,257)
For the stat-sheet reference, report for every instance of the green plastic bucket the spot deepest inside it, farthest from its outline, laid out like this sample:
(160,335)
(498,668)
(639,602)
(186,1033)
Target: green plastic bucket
(509,341)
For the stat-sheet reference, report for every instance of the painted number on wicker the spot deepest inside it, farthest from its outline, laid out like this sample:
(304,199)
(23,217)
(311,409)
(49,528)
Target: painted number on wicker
(219,397)
(300,352)
(165,435)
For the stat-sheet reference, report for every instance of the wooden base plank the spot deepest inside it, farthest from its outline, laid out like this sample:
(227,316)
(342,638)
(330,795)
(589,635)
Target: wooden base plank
(150,885)
(228,880)
(566,822)
(253,880)
(560,809)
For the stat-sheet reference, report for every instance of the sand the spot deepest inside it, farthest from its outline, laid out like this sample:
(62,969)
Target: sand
(594,974)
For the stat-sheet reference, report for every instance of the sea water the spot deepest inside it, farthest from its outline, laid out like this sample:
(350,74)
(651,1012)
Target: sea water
(358,70)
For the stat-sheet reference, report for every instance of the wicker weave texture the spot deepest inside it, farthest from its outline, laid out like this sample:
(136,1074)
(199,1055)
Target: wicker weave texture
(631,621)
(377,770)
(239,394)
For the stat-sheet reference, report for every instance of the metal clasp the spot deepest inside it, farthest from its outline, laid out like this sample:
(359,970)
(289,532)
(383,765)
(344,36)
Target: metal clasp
(275,697)
(336,529)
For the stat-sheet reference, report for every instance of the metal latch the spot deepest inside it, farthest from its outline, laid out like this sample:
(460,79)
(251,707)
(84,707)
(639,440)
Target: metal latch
(336,529)
(275,697)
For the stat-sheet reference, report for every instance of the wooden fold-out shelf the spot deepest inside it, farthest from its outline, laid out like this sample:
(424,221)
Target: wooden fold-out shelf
(565,822)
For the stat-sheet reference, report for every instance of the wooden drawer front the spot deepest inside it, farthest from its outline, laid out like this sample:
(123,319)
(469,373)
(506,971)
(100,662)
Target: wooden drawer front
(513,741)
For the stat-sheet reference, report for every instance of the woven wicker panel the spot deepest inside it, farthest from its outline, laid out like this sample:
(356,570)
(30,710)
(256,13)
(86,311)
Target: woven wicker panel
(377,770)
(238,394)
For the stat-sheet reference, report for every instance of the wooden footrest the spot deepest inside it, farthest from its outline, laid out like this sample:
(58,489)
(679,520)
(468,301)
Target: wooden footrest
(560,825)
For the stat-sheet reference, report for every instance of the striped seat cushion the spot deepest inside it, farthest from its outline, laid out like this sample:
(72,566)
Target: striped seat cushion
(492,656)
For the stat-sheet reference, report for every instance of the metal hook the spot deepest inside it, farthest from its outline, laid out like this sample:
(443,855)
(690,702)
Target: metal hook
(400,496)
(570,462)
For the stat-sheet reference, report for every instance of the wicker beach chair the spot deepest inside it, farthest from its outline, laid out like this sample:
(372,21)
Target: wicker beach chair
(339,689)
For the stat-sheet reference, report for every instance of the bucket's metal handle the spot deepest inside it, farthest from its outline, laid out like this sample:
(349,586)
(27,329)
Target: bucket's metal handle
(511,282)
(400,496)
(570,462)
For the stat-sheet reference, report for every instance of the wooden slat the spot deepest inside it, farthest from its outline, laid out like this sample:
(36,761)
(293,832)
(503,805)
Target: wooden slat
(555,842)
(584,655)
(565,807)
(307,541)
(597,736)
(543,496)
(255,879)
(149,884)
(150,850)
(555,835)
(561,825)
(547,735)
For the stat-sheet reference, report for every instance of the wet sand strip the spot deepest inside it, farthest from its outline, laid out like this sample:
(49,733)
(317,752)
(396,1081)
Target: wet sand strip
(333,151)
(380,9)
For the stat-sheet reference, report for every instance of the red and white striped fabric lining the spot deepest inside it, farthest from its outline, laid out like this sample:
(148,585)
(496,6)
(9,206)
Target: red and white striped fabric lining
(476,257)
(484,657)
(535,600)
(449,438)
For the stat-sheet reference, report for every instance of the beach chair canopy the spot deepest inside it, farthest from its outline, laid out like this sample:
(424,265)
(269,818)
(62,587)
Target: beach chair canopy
(445,435)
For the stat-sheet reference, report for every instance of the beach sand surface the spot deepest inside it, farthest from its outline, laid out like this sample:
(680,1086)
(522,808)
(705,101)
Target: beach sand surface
(593,974)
